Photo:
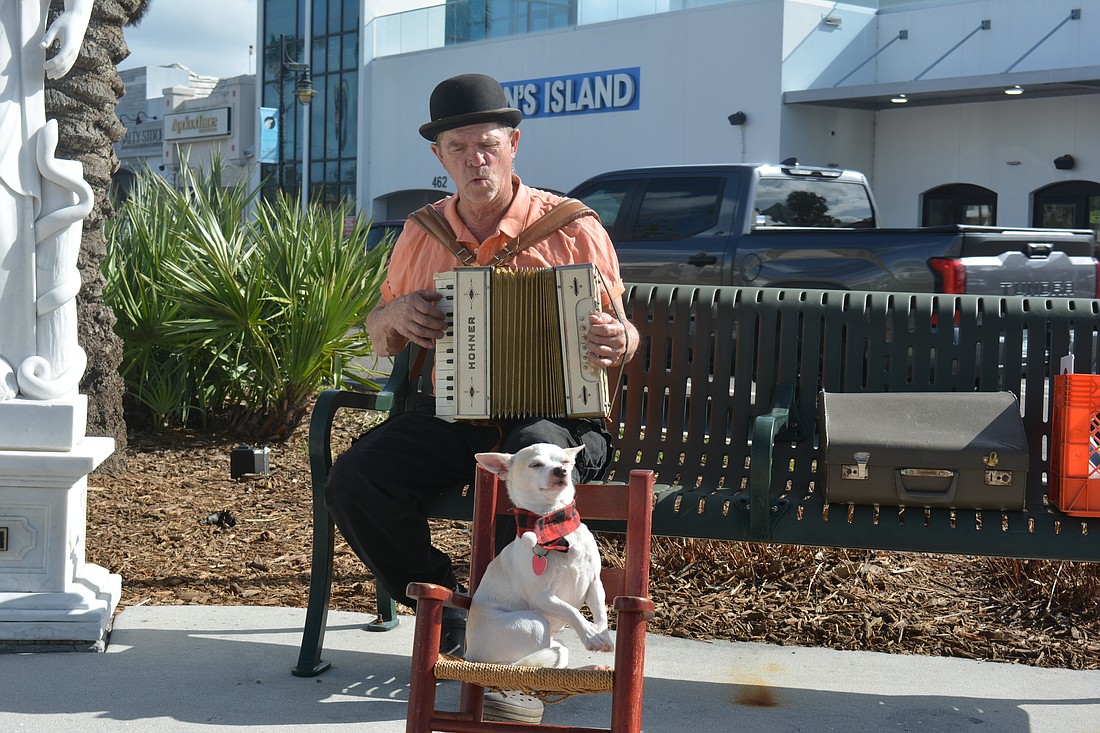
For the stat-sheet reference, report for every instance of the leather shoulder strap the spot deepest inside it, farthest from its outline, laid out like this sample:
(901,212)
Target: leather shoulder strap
(432,222)
(564,213)
(561,215)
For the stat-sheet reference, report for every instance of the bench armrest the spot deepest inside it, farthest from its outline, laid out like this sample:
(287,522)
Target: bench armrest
(388,399)
(782,420)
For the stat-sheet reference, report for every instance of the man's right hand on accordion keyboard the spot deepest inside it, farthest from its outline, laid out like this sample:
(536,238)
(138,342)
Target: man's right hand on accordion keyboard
(413,317)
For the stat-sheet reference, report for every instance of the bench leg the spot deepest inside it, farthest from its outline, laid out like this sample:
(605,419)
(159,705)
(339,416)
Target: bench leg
(387,611)
(310,663)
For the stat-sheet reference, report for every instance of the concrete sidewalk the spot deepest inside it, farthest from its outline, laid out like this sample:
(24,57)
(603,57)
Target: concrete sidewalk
(192,668)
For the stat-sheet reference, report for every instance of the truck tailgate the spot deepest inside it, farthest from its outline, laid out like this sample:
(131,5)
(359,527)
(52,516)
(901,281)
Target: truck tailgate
(1053,262)
(1014,273)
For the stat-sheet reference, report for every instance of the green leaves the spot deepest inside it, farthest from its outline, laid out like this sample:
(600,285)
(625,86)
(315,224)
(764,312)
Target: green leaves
(235,309)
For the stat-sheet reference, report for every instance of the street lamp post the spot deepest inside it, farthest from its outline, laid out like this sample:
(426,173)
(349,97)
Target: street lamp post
(303,92)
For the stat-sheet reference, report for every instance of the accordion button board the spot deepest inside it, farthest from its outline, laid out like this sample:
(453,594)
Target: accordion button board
(516,344)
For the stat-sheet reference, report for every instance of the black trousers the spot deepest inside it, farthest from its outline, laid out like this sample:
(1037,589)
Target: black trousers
(379,488)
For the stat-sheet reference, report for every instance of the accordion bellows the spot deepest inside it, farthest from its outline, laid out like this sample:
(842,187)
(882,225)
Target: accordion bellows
(516,344)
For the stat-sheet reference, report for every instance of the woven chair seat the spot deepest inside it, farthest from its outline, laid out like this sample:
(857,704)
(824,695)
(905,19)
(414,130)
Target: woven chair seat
(546,683)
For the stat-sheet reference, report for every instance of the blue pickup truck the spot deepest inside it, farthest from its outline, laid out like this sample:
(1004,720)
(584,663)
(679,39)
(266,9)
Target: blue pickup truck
(788,225)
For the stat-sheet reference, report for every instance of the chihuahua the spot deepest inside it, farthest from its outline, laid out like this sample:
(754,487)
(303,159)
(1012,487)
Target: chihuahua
(539,582)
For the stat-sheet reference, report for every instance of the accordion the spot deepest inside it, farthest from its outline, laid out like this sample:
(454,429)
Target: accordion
(516,344)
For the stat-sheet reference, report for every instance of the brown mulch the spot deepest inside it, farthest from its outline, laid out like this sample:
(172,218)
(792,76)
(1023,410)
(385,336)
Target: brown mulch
(179,530)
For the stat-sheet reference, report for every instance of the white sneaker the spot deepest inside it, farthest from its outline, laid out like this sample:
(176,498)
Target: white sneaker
(512,707)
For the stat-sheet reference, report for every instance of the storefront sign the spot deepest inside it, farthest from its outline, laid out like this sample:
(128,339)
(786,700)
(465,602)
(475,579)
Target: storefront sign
(141,141)
(597,91)
(207,123)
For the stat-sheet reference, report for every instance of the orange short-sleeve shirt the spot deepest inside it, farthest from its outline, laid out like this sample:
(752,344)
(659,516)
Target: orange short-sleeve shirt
(417,257)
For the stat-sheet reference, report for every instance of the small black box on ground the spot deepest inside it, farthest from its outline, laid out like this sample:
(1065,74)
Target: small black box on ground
(962,450)
(245,460)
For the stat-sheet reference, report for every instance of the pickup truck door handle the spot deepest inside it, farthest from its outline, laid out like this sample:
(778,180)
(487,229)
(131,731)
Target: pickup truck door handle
(701,259)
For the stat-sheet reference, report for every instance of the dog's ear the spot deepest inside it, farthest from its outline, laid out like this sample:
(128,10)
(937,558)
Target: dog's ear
(498,463)
(574,451)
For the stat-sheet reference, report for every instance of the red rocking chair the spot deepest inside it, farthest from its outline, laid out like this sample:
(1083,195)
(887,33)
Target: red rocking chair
(628,586)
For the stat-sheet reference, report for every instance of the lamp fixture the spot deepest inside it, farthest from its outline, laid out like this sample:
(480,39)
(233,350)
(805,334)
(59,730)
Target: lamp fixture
(899,99)
(1065,162)
(737,118)
(137,119)
(303,89)
(1014,90)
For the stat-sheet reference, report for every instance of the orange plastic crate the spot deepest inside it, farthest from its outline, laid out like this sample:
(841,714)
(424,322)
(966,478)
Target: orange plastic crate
(1075,462)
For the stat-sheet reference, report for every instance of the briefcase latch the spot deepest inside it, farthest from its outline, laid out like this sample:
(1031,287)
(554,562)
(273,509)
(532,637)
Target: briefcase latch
(998,478)
(858,470)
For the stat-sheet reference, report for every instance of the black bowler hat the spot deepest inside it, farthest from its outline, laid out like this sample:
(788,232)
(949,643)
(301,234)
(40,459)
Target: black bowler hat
(468,99)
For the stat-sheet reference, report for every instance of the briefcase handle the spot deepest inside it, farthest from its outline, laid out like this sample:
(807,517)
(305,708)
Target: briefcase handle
(925,496)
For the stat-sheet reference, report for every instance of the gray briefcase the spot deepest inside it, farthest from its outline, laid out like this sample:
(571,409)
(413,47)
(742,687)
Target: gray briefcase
(964,450)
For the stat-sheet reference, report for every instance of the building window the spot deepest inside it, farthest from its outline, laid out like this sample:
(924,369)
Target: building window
(333,123)
(476,20)
(959,203)
(1068,205)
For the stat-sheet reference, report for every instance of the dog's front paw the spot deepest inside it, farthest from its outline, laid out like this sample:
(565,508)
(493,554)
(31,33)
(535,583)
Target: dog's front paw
(528,540)
(599,641)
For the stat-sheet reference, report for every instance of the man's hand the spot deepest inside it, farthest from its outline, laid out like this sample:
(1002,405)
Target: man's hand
(414,317)
(609,340)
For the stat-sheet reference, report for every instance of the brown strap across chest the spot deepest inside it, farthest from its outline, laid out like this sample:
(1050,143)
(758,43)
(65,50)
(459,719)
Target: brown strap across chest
(566,212)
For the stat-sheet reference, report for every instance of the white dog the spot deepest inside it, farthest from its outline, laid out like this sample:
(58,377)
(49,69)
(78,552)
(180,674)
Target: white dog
(533,588)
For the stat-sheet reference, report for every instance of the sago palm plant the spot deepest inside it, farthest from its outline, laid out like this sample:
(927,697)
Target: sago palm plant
(241,317)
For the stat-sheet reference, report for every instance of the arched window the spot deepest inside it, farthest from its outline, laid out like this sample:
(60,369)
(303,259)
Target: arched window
(1068,205)
(959,203)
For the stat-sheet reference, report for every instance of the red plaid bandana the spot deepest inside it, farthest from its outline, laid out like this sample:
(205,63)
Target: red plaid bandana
(550,529)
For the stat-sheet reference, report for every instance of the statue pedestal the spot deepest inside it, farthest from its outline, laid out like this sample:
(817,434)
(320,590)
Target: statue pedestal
(43,425)
(48,594)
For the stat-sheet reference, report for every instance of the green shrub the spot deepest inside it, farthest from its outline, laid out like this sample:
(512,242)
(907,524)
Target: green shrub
(235,310)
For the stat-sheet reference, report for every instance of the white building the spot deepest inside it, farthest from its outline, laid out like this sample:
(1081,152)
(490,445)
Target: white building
(761,81)
(222,123)
(170,112)
(141,111)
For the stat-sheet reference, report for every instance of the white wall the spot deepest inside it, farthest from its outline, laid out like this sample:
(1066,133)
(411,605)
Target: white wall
(732,64)
(1016,26)
(975,143)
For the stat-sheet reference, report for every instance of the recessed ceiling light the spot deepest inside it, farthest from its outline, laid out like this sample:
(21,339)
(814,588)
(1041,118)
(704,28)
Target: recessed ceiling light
(1014,90)
(900,99)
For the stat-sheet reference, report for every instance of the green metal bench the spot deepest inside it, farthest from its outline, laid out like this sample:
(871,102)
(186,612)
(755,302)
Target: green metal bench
(721,402)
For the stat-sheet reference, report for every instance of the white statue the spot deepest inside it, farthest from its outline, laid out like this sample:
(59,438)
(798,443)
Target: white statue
(42,201)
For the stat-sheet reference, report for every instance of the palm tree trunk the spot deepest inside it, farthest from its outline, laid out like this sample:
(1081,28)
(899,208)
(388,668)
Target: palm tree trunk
(83,102)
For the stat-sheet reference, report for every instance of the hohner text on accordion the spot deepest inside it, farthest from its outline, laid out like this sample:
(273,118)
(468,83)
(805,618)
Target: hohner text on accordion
(516,344)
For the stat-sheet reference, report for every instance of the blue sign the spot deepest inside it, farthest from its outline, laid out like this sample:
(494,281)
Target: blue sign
(269,135)
(579,94)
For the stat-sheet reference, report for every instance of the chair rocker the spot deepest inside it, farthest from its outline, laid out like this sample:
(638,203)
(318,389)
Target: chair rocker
(599,505)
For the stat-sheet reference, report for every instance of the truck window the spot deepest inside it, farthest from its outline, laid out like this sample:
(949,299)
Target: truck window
(811,202)
(675,208)
(606,199)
